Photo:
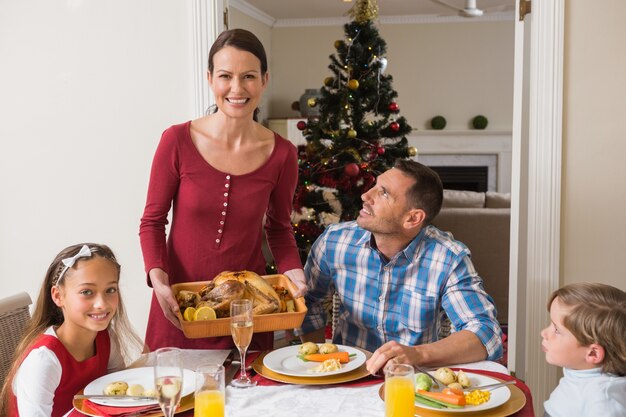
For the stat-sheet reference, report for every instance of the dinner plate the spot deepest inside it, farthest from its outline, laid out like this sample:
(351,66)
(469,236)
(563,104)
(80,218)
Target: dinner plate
(285,361)
(515,402)
(498,396)
(143,376)
(328,379)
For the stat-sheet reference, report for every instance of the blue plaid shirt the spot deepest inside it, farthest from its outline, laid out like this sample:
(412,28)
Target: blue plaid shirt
(402,299)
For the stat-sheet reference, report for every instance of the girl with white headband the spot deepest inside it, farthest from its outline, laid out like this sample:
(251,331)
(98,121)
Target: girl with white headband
(78,332)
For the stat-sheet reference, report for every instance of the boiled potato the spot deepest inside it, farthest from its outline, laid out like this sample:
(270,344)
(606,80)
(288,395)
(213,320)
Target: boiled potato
(150,392)
(328,348)
(445,375)
(116,388)
(135,389)
(456,385)
(463,379)
(307,348)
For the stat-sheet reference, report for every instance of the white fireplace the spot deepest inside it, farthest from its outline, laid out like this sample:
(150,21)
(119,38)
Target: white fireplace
(444,148)
(472,148)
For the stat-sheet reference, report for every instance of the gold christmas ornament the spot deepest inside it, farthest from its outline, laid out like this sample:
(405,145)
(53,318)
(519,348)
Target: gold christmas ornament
(363,11)
(352,133)
(328,81)
(412,151)
(353,84)
(312,102)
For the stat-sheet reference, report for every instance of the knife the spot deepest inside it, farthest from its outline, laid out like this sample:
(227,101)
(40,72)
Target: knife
(490,386)
(231,367)
(112,397)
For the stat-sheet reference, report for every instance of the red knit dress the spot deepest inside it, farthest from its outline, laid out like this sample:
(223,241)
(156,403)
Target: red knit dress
(217,223)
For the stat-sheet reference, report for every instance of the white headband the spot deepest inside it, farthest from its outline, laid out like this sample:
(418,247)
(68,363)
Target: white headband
(84,252)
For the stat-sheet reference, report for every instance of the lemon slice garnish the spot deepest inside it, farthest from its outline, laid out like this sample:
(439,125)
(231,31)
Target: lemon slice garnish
(204,313)
(189,314)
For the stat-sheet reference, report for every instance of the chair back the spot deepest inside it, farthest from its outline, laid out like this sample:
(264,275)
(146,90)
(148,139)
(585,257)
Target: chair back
(14,316)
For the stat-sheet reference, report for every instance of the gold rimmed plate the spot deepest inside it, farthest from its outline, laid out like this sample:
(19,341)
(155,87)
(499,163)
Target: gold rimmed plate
(360,372)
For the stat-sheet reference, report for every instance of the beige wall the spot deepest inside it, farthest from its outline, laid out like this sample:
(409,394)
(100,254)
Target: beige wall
(593,232)
(457,70)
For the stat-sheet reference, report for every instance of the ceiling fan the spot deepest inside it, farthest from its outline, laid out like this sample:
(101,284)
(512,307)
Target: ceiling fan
(470,9)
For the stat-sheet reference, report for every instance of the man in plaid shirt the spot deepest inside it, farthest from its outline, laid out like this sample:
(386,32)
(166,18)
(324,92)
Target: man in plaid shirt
(395,274)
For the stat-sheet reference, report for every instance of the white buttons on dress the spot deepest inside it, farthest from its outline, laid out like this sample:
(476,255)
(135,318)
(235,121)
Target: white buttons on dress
(219,231)
(228,177)
(226,185)
(223,213)
(217,241)
(221,221)
(225,194)
(225,204)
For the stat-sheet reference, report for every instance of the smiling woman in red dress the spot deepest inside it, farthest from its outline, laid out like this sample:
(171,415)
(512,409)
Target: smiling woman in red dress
(222,174)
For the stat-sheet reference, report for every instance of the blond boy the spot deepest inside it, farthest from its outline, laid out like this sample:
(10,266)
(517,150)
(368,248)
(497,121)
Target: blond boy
(586,337)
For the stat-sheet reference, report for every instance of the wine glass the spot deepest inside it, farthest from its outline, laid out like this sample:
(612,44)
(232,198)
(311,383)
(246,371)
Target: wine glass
(168,379)
(241,328)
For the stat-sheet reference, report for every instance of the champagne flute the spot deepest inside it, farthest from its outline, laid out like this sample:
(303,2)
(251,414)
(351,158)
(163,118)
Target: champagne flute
(241,328)
(168,379)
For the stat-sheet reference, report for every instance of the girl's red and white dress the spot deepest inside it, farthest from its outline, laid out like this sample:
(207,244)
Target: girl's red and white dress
(49,376)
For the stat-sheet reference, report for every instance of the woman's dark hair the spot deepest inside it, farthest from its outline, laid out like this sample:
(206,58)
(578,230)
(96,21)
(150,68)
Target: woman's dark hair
(243,40)
(427,192)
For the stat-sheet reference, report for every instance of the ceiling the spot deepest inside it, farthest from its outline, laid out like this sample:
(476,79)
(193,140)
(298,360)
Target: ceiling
(319,9)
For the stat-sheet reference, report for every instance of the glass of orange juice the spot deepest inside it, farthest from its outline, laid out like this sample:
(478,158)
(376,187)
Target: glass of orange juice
(399,390)
(210,391)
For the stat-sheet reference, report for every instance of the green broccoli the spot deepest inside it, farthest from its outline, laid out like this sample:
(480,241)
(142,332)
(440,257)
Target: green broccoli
(423,381)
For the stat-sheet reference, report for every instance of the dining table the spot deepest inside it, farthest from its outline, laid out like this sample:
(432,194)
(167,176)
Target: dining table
(355,398)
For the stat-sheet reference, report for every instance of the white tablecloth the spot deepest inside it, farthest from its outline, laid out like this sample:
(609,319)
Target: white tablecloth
(301,400)
(317,401)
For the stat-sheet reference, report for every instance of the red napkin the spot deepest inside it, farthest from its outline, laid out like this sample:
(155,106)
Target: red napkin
(527,410)
(108,411)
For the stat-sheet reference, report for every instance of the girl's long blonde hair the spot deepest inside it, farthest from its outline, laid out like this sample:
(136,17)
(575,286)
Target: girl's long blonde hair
(47,314)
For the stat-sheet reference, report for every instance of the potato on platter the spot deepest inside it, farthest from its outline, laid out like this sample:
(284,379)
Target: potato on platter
(116,388)
(307,348)
(328,348)
(135,389)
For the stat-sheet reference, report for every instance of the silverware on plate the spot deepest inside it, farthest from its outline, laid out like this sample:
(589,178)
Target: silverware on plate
(490,386)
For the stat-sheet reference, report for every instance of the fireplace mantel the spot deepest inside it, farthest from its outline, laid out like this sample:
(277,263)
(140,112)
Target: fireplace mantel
(435,145)
(440,144)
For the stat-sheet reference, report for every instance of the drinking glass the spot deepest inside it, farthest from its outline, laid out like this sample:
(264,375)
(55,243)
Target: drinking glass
(168,379)
(241,328)
(399,390)
(210,391)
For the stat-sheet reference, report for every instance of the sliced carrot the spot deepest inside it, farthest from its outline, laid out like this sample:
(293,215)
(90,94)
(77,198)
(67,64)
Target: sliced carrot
(446,398)
(454,391)
(343,357)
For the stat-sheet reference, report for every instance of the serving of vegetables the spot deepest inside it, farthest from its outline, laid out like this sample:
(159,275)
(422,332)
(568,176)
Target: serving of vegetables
(324,353)
(451,396)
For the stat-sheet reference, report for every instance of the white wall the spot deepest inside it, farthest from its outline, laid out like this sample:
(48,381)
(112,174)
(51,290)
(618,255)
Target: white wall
(86,88)
(593,232)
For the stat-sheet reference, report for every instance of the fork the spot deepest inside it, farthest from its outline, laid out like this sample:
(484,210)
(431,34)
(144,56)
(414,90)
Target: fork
(436,382)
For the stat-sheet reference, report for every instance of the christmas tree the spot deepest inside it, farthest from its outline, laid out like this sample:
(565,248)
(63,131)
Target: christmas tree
(357,135)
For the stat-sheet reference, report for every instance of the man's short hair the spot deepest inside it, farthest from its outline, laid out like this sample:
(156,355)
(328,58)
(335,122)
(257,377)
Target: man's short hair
(427,191)
(597,315)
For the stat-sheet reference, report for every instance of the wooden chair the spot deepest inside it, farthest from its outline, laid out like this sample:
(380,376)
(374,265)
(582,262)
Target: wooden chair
(14,315)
